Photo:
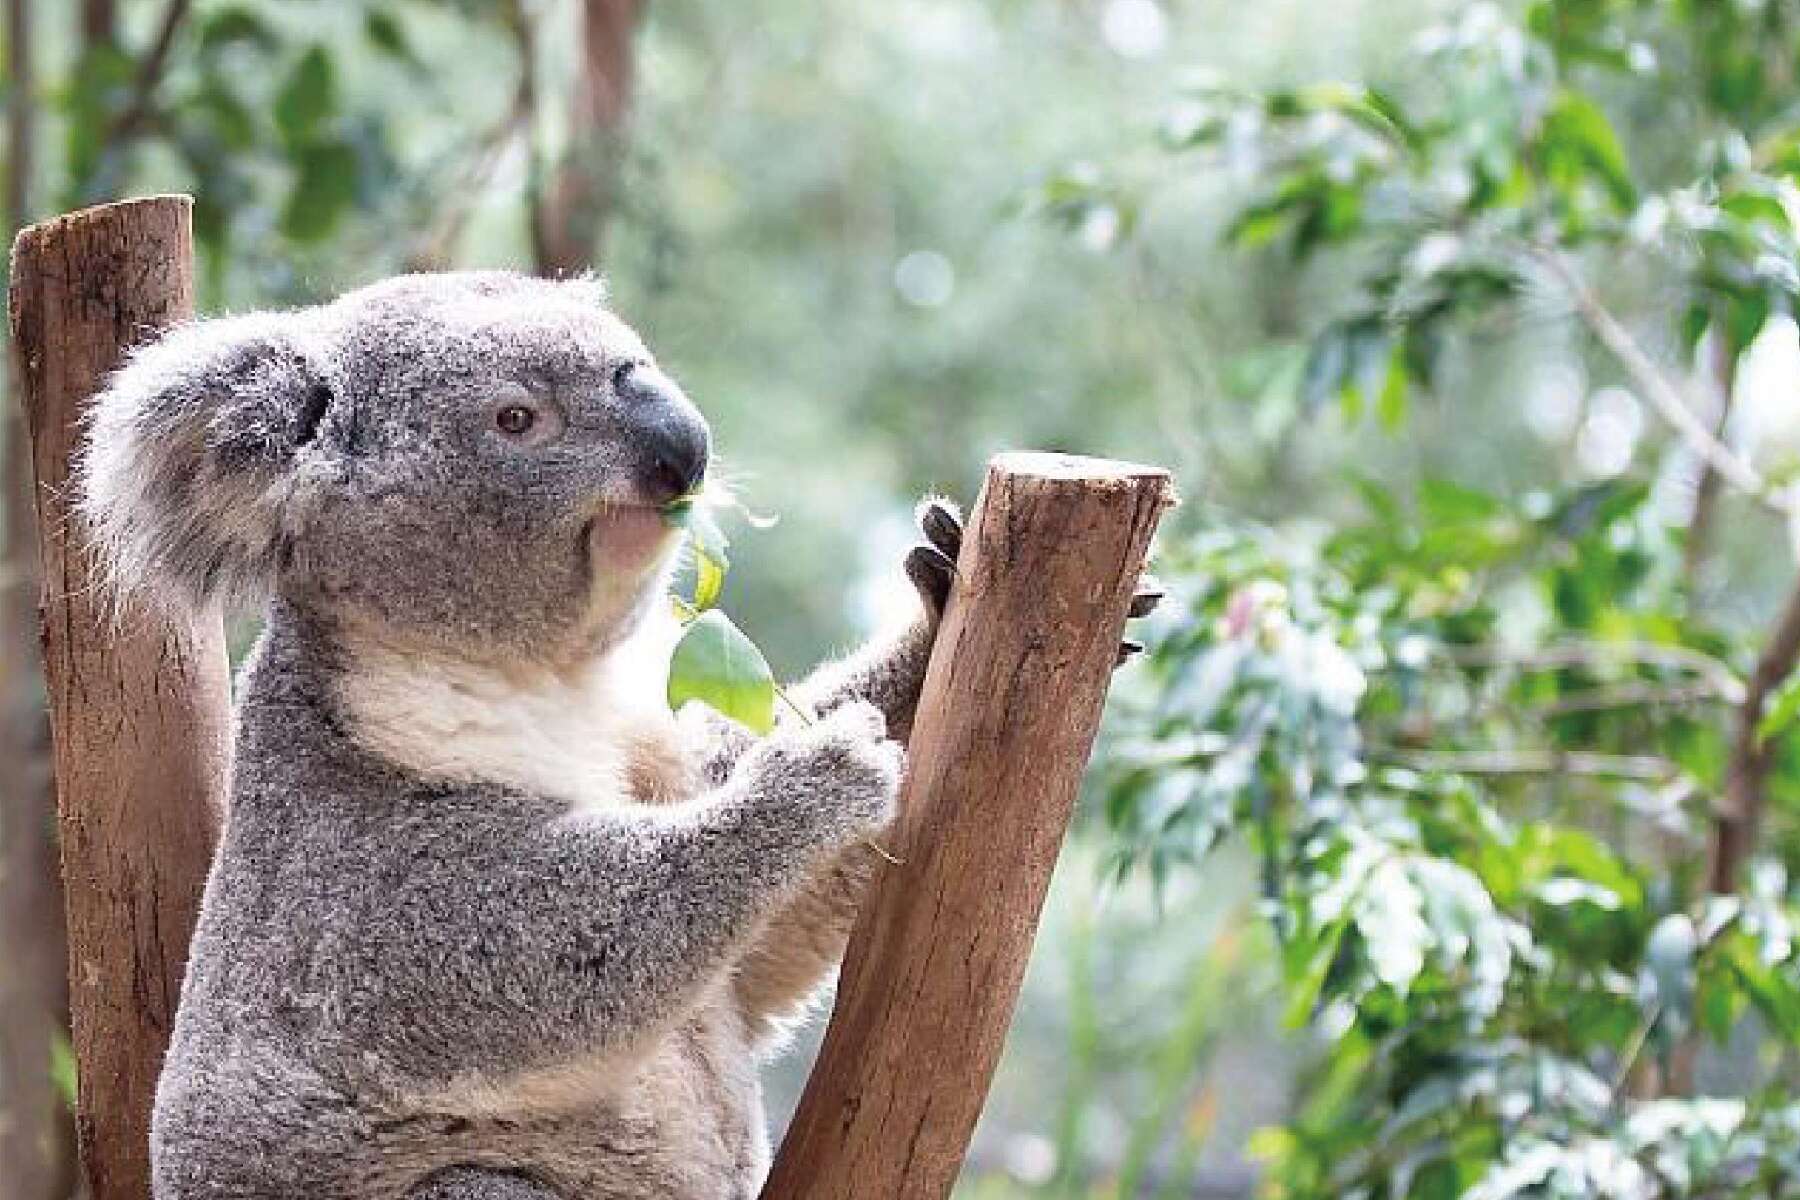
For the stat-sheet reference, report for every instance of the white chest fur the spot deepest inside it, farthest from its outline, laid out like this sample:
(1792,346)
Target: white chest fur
(567,735)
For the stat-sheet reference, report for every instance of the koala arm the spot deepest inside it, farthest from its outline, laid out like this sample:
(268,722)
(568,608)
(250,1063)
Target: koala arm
(805,939)
(625,917)
(888,672)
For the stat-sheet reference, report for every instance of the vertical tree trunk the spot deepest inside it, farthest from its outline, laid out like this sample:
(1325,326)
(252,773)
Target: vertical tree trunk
(1709,483)
(568,222)
(138,707)
(1010,708)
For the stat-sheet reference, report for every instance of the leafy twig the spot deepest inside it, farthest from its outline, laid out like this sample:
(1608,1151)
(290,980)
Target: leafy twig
(1638,694)
(1644,767)
(1719,676)
(1654,384)
(150,71)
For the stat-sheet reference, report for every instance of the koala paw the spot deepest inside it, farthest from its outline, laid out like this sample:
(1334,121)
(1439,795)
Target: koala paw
(839,776)
(931,566)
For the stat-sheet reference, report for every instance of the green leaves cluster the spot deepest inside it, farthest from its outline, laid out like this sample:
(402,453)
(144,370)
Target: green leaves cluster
(248,101)
(1498,146)
(1482,843)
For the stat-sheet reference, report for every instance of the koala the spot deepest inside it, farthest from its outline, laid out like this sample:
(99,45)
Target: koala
(486,921)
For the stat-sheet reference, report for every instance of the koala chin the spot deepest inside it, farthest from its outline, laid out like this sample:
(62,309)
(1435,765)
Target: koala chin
(485,920)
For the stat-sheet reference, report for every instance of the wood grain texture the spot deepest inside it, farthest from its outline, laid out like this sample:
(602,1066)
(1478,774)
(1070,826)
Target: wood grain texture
(139,707)
(1007,719)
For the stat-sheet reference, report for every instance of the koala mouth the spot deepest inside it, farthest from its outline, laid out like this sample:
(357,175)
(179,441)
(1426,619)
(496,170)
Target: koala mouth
(627,540)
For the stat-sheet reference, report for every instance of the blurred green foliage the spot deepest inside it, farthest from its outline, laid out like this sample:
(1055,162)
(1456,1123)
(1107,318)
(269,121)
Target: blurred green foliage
(1427,751)
(1479,743)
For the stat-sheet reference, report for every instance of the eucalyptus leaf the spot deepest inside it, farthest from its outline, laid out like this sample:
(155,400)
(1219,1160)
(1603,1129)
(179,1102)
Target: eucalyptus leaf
(324,189)
(308,97)
(709,544)
(717,665)
(1779,714)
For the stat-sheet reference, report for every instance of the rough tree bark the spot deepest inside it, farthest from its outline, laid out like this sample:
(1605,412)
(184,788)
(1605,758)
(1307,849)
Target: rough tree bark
(568,221)
(1010,708)
(138,708)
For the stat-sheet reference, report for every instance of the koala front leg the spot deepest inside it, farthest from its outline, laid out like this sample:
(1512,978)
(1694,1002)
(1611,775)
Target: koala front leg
(887,673)
(606,926)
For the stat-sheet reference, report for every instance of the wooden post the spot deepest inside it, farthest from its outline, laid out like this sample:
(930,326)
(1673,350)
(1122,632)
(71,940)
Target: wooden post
(138,709)
(1008,716)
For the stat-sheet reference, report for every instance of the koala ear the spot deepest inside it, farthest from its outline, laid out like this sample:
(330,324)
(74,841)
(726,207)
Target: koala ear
(194,473)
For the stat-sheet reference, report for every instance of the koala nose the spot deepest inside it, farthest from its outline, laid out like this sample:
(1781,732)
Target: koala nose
(675,437)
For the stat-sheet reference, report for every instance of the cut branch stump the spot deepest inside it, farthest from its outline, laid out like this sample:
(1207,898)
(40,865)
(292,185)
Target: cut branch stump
(1010,708)
(139,707)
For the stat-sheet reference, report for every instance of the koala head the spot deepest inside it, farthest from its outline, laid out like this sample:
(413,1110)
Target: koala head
(474,461)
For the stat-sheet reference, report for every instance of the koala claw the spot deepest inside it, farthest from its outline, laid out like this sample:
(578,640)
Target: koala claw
(931,571)
(1149,594)
(941,524)
(931,566)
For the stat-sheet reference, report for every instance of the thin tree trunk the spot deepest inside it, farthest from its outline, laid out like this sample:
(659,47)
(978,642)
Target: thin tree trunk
(1010,707)
(138,708)
(1709,486)
(99,22)
(37,1132)
(1739,822)
(568,221)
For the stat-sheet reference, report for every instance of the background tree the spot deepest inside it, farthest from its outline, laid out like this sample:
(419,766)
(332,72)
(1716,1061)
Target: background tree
(1512,787)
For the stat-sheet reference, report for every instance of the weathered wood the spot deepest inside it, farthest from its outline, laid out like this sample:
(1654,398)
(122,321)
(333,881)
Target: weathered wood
(138,707)
(1008,716)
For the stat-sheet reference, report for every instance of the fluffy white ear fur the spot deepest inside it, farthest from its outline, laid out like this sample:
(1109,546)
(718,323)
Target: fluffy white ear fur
(187,479)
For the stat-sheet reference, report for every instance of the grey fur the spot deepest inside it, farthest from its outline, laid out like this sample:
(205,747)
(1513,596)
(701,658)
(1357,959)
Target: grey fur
(439,984)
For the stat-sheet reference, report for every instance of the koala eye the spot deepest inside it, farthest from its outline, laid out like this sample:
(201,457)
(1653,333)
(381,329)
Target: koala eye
(524,419)
(515,420)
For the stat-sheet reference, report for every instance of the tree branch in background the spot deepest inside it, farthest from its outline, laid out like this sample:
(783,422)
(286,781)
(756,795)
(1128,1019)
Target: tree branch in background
(1720,679)
(1654,385)
(1707,487)
(1642,693)
(99,22)
(37,1131)
(1644,767)
(149,73)
(1739,821)
(433,249)
(568,221)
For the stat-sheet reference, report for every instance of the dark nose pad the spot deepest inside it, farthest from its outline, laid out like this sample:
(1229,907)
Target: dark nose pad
(678,452)
(676,440)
